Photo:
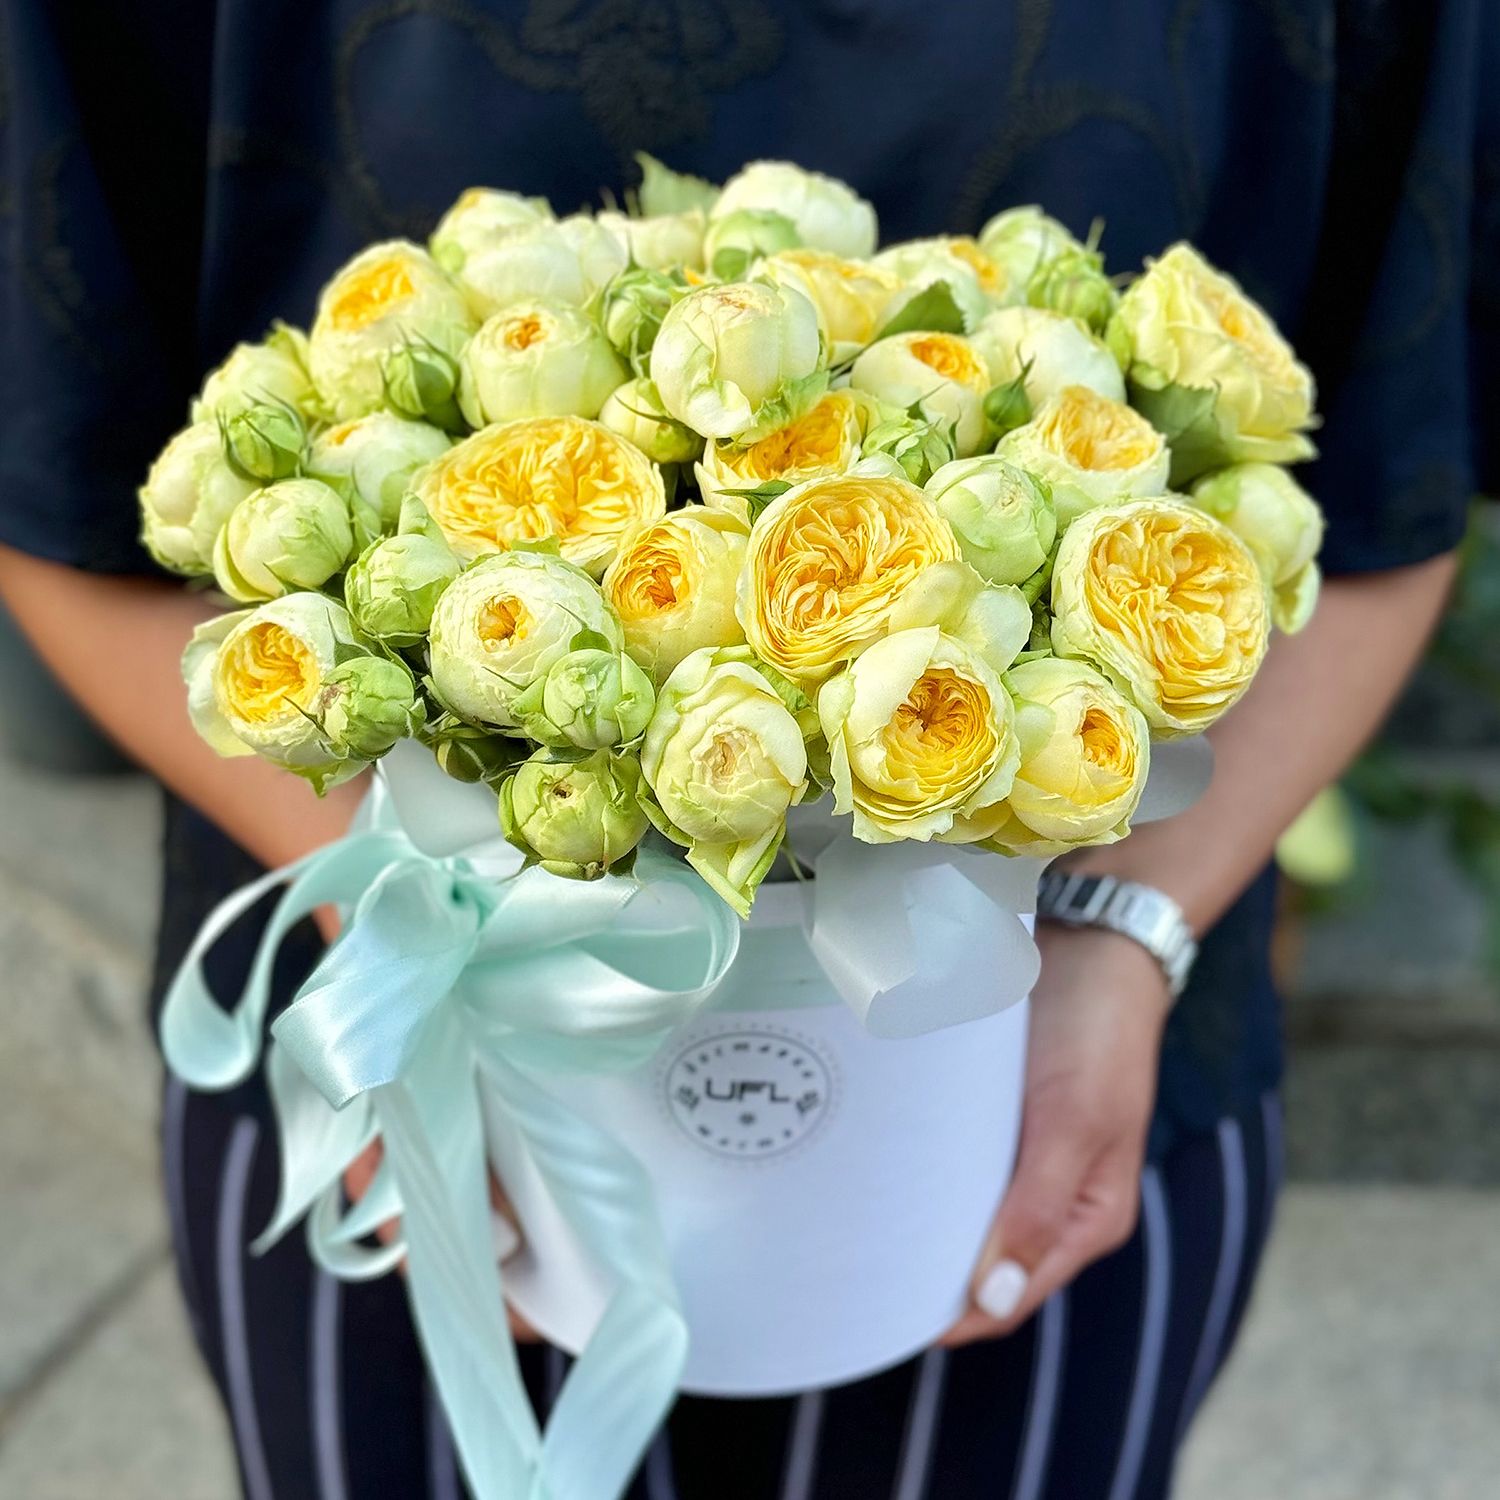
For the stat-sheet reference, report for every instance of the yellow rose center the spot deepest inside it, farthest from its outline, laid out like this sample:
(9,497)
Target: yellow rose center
(341,434)
(369,293)
(1092,432)
(1103,744)
(951,358)
(815,441)
(521,333)
(561,477)
(991,277)
(827,569)
(724,753)
(266,673)
(942,713)
(502,621)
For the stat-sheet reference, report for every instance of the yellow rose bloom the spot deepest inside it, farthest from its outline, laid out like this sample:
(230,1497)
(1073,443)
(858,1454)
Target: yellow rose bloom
(920,734)
(1085,754)
(823,441)
(853,298)
(1168,602)
(562,477)
(388,295)
(1184,326)
(672,584)
(828,562)
(941,373)
(1090,450)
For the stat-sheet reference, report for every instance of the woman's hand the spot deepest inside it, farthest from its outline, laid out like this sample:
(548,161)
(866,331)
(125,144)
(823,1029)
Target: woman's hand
(1097,1014)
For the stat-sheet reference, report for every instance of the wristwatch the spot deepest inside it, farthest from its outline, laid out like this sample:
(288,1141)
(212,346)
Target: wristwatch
(1141,912)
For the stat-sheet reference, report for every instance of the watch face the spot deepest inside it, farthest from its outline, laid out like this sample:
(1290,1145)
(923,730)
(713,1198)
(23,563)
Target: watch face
(748,1092)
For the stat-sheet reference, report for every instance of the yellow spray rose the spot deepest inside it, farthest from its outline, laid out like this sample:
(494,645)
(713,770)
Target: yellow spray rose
(853,298)
(921,737)
(536,359)
(1168,602)
(672,584)
(977,282)
(634,410)
(1046,352)
(1091,450)
(828,214)
(503,623)
(724,758)
(273,371)
(1210,368)
(1085,754)
(562,477)
(478,216)
(828,562)
(386,297)
(726,355)
(568,260)
(941,373)
(824,440)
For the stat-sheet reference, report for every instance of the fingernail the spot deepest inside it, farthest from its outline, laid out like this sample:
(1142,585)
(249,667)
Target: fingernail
(1001,1291)
(507,1240)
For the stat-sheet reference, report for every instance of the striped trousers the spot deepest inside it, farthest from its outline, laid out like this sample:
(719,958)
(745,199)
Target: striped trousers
(327,1399)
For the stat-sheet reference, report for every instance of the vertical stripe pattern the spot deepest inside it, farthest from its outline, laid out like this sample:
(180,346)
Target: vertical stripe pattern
(1155,1309)
(802,1448)
(234,1185)
(1041,1405)
(921,1426)
(327,1375)
(442,1461)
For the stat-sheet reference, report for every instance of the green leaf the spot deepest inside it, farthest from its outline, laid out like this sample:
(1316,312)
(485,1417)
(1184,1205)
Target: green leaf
(761,496)
(1007,406)
(731,263)
(932,310)
(590,640)
(1185,416)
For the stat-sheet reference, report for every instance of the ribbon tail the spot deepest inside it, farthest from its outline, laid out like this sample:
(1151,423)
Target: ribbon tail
(453,1282)
(622,1385)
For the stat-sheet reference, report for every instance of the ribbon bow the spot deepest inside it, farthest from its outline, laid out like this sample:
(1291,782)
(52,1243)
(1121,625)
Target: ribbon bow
(447,997)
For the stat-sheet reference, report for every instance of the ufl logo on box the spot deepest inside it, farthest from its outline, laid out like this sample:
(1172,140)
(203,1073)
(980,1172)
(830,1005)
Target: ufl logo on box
(748,1094)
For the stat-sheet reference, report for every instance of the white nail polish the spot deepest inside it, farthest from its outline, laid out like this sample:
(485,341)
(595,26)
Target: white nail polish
(507,1241)
(1001,1290)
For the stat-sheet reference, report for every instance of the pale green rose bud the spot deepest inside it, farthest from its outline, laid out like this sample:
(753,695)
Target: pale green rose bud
(390,296)
(421,383)
(294,534)
(1002,516)
(727,354)
(631,310)
(735,241)
(371,461)
(503,622)
(661,242)
(919,447)
(476,216)
(472,755)
(939,374)
(367,704)
(828,214)
(264,442)
(272,372)
(536,359)
(1043,352)
(576,818)
(569,261)
(724,758)
(187,497)
(590,698)
(254,679)
(634,410)
(1023,240)
(1269,511)
(394,585)
(1075,285)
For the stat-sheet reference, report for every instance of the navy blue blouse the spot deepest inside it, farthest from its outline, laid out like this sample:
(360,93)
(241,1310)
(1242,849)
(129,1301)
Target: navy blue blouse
(174,176)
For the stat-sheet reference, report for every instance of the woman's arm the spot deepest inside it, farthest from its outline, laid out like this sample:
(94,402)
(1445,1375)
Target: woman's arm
(1100,1004)
(115,643)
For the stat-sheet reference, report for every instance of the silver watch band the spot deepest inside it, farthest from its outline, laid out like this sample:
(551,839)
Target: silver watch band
(1141,912)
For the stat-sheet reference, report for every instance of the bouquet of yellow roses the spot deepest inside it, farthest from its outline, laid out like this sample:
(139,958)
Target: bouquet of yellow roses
(695,518)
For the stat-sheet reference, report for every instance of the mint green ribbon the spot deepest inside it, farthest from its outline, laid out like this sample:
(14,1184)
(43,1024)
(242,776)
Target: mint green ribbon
(448,983)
